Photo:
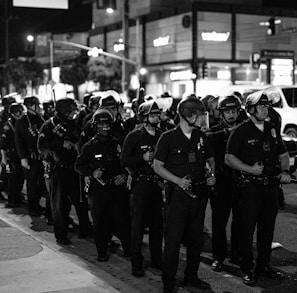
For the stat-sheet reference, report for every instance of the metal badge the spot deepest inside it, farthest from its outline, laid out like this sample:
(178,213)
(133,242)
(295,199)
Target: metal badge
(192,157)
(266,146)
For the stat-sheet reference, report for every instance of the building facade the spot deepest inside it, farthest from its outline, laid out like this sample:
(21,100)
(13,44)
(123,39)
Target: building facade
(202,46)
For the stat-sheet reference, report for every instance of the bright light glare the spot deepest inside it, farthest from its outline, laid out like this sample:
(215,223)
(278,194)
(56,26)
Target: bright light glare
(30,38)
(143,71)
(95,52)
(109,10)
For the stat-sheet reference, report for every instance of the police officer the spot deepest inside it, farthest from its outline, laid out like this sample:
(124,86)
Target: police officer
(93,105)
(84,111)
(58,137)
(26,135)
(225,197)
(100,159)
(48,109)
(10,159)
(254,150)
(7,100)
(180,158)
(137,155)
(109,100)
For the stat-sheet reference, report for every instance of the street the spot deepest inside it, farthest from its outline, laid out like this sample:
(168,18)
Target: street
(117,271)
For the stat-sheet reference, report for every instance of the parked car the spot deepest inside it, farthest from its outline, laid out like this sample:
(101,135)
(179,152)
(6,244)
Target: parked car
(291,144)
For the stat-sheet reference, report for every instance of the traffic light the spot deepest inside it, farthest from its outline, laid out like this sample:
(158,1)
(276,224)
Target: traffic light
(30,44)
(204,68)
(255,60)
(271,26)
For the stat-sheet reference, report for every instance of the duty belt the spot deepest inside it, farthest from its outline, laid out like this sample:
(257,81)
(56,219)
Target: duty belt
(65,165)
(193,184)
(147,178)
(261,180)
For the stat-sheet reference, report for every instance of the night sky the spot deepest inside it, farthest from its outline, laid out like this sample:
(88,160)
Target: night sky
(24,21)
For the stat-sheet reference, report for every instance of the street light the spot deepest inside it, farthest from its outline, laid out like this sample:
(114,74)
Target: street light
(95,52)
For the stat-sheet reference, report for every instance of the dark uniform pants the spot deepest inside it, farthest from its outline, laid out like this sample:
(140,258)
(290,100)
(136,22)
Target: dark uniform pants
(184,214)
(146,210)
(35,186)
(65,188)
(15,182)
(258,206)
(110,213)
(223,200)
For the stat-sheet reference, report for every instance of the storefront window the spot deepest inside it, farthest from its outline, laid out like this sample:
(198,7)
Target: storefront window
(214,35)
(168,40)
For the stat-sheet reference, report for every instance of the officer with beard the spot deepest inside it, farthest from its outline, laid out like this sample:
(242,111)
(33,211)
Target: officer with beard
(138,155)
(254,150)
(100,160)
(58,138)
(180,158)
(26,135)
(9,157)
(225,197)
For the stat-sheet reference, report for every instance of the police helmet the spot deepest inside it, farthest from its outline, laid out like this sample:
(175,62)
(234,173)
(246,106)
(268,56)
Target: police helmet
(94,102)
(65,106)
(15,108)
(102,116)
(48,104)
(31,101)
(109,98)
(87,98)
(7,101)
(166,95)
(229,102)
(256,98)
(134,105)
(190,105)
(148,107)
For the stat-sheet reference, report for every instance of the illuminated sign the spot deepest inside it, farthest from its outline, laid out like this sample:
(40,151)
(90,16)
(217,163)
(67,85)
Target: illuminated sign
(215,37)
(54,4)
(181,75)
(161,41)
(117,47)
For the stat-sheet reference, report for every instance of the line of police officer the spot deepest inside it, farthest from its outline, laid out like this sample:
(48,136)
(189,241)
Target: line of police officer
(107,158)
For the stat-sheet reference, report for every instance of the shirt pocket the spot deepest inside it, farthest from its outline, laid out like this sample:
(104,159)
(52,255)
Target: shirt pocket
(179,157)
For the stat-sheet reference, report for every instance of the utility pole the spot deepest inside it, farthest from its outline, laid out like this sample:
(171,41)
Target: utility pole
(125,24)
(6,24)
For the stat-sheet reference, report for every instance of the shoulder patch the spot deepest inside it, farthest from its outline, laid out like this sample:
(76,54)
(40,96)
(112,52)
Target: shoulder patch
(6,127)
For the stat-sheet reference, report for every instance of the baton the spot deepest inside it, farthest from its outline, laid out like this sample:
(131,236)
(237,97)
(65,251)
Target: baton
(100,181)
(189,193)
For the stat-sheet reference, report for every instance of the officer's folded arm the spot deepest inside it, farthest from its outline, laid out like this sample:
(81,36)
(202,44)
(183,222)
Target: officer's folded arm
(233,162)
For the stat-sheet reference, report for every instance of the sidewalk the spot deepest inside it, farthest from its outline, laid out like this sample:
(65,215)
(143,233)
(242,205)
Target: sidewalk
(31,261)
(29,265)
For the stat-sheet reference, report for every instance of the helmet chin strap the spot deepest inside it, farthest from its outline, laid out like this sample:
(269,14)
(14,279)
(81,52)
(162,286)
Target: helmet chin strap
(152,124)
(191,124)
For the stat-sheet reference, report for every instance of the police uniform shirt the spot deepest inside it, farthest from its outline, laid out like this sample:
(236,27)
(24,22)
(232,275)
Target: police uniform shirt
(100,153)
(52,136)
(135,145)
(26,136)
(7,138)
(251,145)
(183,156)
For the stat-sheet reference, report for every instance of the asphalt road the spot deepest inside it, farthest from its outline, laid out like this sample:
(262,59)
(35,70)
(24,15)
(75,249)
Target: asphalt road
(117,271)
